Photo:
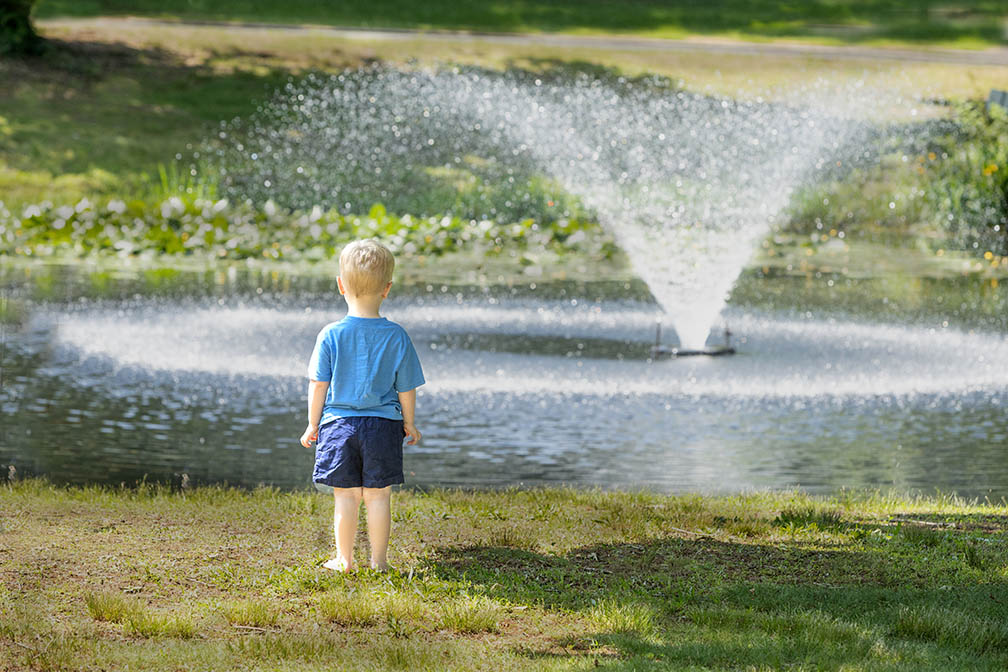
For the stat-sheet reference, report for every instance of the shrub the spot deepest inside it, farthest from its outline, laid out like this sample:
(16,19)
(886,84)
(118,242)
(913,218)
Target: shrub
(944,179)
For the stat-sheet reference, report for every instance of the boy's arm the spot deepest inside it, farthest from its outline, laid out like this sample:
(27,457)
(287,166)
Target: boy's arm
(317,390)
(408,402)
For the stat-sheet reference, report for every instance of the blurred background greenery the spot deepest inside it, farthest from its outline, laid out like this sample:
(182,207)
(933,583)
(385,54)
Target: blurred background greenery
(109,109)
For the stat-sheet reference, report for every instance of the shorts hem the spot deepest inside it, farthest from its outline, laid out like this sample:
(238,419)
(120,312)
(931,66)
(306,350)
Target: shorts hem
(399,480)
(339,485)
(395,480)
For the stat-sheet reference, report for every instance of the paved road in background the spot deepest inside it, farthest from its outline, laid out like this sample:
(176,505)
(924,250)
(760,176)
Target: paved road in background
(990,56)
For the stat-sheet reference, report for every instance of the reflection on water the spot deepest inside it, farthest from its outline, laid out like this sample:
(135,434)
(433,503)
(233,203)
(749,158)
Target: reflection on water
(159,379)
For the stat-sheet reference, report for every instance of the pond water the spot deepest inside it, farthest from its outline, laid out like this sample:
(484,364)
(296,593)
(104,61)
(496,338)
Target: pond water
(839,383)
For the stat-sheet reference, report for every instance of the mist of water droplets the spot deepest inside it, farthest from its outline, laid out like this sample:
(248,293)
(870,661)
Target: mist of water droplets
(687,183)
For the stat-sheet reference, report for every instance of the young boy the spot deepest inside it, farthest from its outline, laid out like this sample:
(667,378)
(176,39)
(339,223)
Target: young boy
(363,376)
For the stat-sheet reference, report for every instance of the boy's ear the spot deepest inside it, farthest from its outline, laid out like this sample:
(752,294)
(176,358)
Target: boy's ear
(339,283)
(387,288)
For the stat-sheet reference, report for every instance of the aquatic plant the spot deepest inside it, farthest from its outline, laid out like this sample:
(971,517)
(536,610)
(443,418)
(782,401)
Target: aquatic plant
(204,228)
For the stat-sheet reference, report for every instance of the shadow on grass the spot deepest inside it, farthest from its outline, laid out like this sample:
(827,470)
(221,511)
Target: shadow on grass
(705,602)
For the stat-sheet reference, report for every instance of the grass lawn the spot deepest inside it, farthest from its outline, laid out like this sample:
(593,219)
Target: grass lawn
(97,119)
(726,74)
(914,21)
(546,579)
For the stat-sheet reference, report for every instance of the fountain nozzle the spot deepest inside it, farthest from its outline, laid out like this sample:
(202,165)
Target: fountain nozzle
(659,351)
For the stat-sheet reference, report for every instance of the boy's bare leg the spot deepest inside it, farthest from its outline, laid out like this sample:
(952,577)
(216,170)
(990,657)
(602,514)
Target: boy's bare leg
(379,524)
(346,508)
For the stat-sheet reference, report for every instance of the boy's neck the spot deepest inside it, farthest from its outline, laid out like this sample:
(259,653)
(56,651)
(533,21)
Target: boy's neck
(363,306)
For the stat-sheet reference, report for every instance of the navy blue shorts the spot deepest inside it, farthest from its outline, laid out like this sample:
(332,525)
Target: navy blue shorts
(359,451)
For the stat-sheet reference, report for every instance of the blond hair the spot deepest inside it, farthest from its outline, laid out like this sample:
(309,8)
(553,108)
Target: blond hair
(365,267)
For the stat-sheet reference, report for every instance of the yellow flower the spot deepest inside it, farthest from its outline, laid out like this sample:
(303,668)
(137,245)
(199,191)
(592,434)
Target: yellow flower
(932,156)
(990,169)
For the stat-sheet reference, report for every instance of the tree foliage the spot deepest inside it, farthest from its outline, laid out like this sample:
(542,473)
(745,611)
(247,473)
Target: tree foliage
(17,35)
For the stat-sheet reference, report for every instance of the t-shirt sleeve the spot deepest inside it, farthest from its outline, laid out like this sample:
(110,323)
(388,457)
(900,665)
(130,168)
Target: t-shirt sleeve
(320,365)
(409,375)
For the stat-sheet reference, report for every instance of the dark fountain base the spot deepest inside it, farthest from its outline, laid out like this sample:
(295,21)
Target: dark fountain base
(659,351)
(669,353)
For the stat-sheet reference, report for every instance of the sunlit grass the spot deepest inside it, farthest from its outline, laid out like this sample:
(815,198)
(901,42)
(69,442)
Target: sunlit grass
(253,613)
(624,617)
(802,517)
(351,609)
(149,624)
(403,613)
(470,615)
(110,607)
(760,580)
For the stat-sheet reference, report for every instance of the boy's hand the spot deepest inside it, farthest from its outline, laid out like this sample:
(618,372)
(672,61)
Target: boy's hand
(310,434)
(412,432)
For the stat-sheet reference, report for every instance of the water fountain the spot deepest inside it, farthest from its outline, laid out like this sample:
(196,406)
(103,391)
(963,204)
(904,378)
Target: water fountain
(687,183)
(660,351)
(538,386)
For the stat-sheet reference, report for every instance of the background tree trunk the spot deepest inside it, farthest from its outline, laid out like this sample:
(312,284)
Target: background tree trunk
(17,35)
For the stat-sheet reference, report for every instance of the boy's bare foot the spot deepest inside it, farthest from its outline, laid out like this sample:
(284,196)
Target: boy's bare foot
(383,567)
(337,565)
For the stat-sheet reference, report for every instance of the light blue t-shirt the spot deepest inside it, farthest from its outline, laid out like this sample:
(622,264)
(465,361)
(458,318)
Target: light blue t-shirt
(367,362)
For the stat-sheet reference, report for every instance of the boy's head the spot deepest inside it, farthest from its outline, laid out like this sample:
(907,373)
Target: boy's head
(365,268)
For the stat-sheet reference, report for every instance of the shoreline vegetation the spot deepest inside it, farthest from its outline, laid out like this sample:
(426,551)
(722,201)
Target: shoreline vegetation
(207,229)
(211,577)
